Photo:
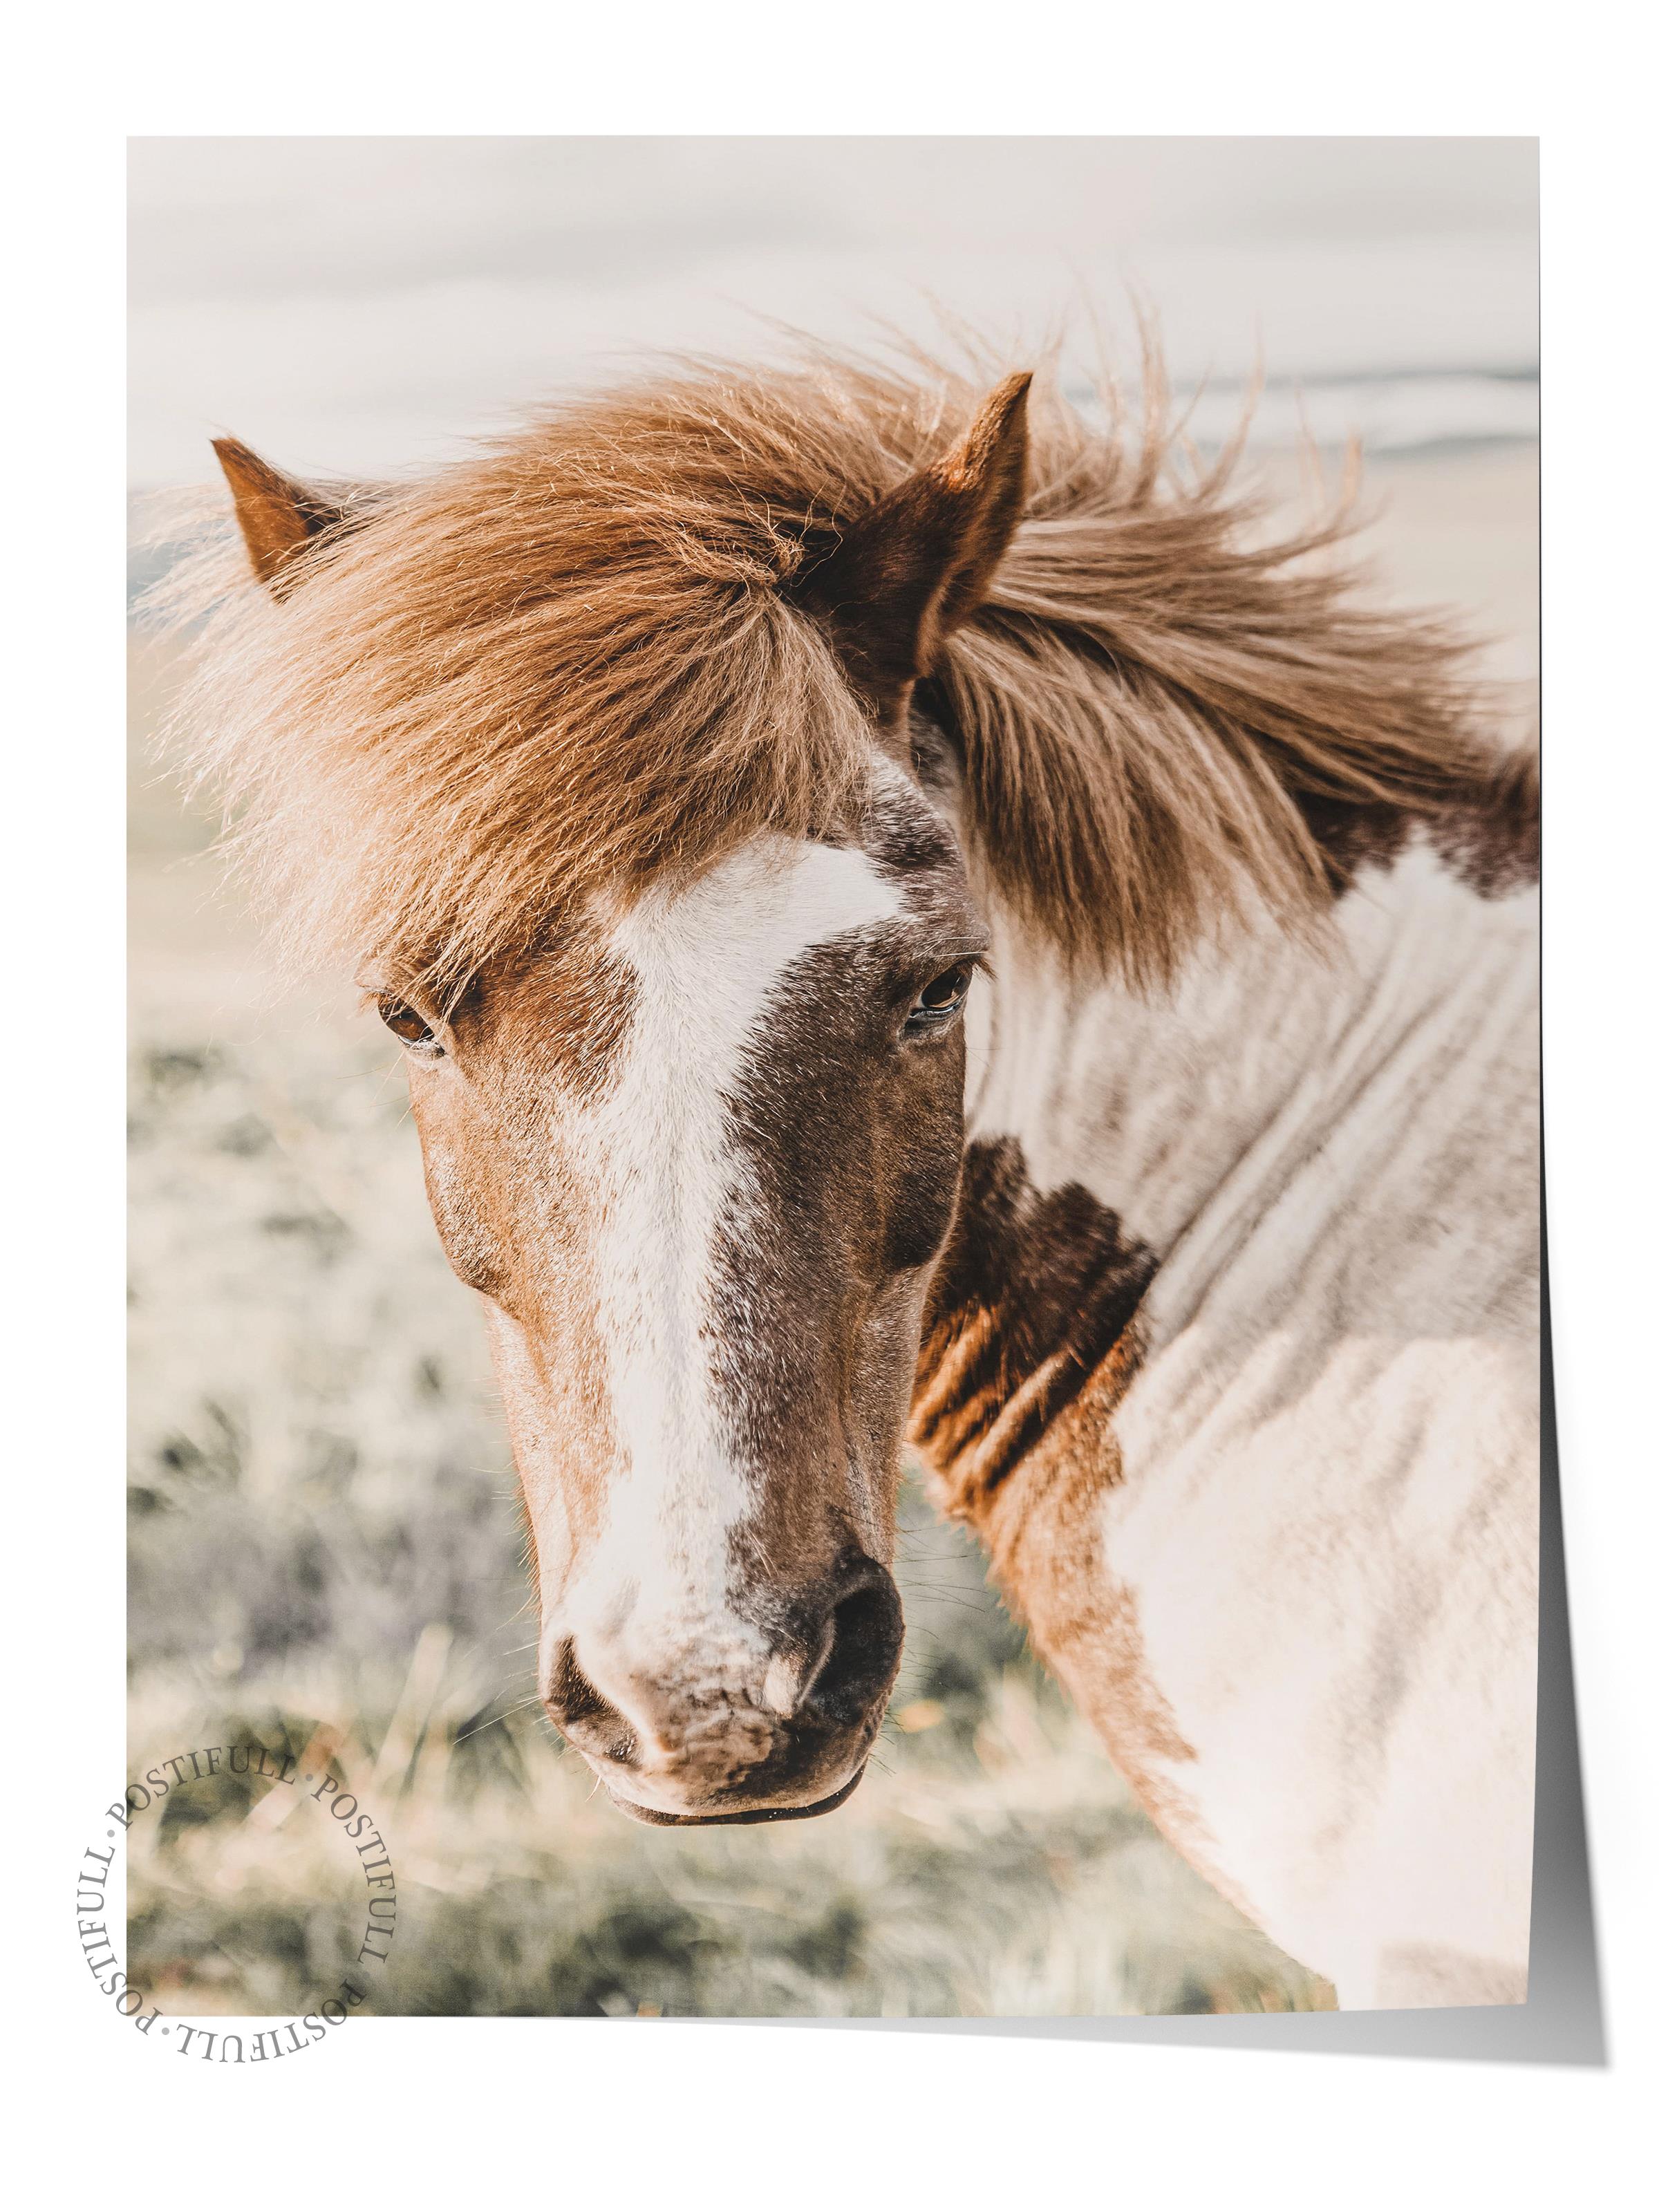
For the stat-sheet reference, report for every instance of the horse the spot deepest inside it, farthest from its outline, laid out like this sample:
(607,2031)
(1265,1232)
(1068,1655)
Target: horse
(916,910)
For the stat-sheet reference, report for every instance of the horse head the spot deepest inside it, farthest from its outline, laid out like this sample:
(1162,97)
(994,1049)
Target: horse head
(697,1147)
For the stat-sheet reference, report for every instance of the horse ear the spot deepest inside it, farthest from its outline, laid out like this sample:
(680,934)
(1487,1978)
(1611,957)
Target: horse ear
(278,517)
(899,579)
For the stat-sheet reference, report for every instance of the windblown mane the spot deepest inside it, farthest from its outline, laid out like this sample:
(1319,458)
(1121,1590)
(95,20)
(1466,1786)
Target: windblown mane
(576,658)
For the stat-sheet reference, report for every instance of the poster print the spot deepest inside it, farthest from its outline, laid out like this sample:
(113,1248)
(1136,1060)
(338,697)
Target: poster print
(965,983)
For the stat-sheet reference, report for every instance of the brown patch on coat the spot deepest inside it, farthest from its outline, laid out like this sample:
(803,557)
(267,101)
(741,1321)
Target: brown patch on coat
(1030,1305)
(1486,829)
(1492,838)
(1030,1343)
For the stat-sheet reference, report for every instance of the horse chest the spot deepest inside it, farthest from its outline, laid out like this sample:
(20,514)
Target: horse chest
(1282,1619)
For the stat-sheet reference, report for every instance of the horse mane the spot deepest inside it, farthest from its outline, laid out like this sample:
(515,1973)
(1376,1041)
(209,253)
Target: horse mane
(576,658)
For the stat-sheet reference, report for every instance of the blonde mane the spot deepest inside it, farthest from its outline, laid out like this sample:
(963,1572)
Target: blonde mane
(577,658)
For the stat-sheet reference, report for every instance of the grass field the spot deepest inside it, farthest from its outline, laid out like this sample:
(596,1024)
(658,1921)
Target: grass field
(326,1549)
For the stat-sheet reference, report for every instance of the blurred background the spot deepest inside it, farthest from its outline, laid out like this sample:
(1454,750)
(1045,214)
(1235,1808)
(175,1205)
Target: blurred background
(325,1547)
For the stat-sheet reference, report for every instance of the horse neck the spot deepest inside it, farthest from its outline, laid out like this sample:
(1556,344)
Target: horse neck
(1187,1113)
(1319,1140)
(1215,1501)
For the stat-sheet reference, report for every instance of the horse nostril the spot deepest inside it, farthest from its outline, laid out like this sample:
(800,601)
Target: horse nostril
(865,1632)
(584,1713)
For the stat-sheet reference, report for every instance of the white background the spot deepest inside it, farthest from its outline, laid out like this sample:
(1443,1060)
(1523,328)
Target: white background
(557,2111)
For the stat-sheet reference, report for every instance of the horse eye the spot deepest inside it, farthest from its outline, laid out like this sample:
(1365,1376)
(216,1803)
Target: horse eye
(944,993)
(401,1018)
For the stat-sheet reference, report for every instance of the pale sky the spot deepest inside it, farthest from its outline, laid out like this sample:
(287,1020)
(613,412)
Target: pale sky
(355,305)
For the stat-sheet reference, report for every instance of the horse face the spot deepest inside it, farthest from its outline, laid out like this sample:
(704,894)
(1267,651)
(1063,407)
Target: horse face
(699,1158)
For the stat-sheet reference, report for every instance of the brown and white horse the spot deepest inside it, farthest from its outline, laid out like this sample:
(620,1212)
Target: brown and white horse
(909,911)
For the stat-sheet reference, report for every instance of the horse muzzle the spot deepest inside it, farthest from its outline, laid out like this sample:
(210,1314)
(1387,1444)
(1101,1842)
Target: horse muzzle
(727,1722)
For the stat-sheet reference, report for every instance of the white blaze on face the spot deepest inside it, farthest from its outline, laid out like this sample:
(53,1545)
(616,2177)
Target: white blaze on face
(655,1157)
